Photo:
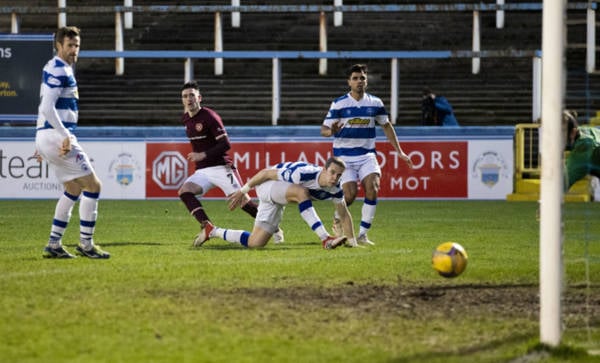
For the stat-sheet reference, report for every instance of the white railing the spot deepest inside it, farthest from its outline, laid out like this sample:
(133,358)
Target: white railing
(337,9)
(276,56)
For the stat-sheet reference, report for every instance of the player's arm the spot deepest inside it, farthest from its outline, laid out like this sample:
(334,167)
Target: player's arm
(332,123)
(236,199)
(47,109)
(346,219)
(327,130)
(219,148)
(390,133)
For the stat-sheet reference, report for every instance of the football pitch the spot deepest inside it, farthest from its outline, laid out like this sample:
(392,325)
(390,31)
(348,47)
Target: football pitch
(157,299)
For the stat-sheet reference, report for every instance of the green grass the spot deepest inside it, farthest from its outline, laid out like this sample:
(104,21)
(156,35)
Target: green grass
(159,300)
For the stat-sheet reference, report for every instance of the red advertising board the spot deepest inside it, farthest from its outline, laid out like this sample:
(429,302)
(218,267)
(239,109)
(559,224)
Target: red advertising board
(440,167)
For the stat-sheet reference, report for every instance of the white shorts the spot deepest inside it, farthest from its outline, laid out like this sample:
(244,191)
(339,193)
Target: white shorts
(358,168)
(66,167)
(272,202)
(223,177)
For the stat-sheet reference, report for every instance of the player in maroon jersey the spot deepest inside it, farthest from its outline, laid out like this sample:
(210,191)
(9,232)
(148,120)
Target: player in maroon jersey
(214,166)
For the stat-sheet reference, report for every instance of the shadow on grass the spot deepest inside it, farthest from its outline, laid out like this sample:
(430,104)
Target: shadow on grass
(440,356)
(119,244)
(268,247)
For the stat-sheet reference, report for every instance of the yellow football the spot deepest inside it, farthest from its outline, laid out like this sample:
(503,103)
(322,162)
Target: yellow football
(449,259)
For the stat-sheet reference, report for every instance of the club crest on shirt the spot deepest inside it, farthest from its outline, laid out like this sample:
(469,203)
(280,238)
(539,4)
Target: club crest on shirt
(199,127)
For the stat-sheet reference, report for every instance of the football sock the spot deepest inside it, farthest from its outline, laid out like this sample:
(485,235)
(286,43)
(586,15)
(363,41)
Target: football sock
(368,214)
(194,206)
(310,216)
(88,213)
(231,235)
(62,215)
(251,208)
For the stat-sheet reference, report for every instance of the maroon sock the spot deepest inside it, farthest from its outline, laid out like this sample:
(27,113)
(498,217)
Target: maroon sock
(251,208)
(194,206)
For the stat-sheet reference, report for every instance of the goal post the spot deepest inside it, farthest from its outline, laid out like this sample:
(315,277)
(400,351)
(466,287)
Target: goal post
(551,188)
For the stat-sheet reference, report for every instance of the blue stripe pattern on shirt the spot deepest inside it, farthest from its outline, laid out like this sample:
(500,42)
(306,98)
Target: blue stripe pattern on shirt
(68,125)
(347,112)
(356,151)
(357,133)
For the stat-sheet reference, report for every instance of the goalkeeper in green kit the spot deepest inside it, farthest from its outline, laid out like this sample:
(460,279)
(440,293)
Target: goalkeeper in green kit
(583,144)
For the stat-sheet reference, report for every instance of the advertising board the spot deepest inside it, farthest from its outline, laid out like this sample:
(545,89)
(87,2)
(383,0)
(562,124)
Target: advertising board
(155,168)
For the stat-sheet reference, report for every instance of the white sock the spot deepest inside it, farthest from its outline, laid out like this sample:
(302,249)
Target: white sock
(310,216)
(88,213)
(236,236)
(367,216)
(62,216)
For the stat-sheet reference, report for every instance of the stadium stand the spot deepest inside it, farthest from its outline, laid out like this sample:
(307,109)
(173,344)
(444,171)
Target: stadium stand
(148,92)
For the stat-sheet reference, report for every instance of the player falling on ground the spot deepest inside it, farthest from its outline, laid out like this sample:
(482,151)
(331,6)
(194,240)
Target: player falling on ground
(55,143)
(214,166)
(351,120)
(583,144)
(291,182)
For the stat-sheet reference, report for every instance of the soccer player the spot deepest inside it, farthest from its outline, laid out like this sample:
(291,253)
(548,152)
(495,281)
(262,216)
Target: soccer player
(55,143)
(351,120)
(214,166)
(583,144)
(290,182)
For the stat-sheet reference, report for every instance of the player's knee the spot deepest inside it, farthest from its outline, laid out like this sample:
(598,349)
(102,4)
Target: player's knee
(376,186)
(96,185)
(257,242)
(349,199)
(189,188)
(350,192)
(372,185)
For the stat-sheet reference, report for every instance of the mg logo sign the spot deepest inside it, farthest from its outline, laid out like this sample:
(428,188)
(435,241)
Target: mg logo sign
(169,170)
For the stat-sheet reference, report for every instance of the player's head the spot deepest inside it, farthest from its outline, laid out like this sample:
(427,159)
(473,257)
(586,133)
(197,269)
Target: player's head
(332,172)
(192,85)
(571,127)
(190,96)
(67,41)
(357,78)
(335,160)
(356,68)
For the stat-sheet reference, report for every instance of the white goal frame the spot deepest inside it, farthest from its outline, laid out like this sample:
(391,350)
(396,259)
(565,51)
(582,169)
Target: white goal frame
(551,188)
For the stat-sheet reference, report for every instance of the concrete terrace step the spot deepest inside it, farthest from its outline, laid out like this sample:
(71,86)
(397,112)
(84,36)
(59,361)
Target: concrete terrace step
(149,91)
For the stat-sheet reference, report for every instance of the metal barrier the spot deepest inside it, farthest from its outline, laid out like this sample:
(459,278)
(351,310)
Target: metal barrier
(119,54)
(527,156)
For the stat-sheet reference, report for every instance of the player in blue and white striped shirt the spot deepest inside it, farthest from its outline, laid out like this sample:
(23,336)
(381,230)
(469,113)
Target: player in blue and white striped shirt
(352,121)
(55,143)
(291,182)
